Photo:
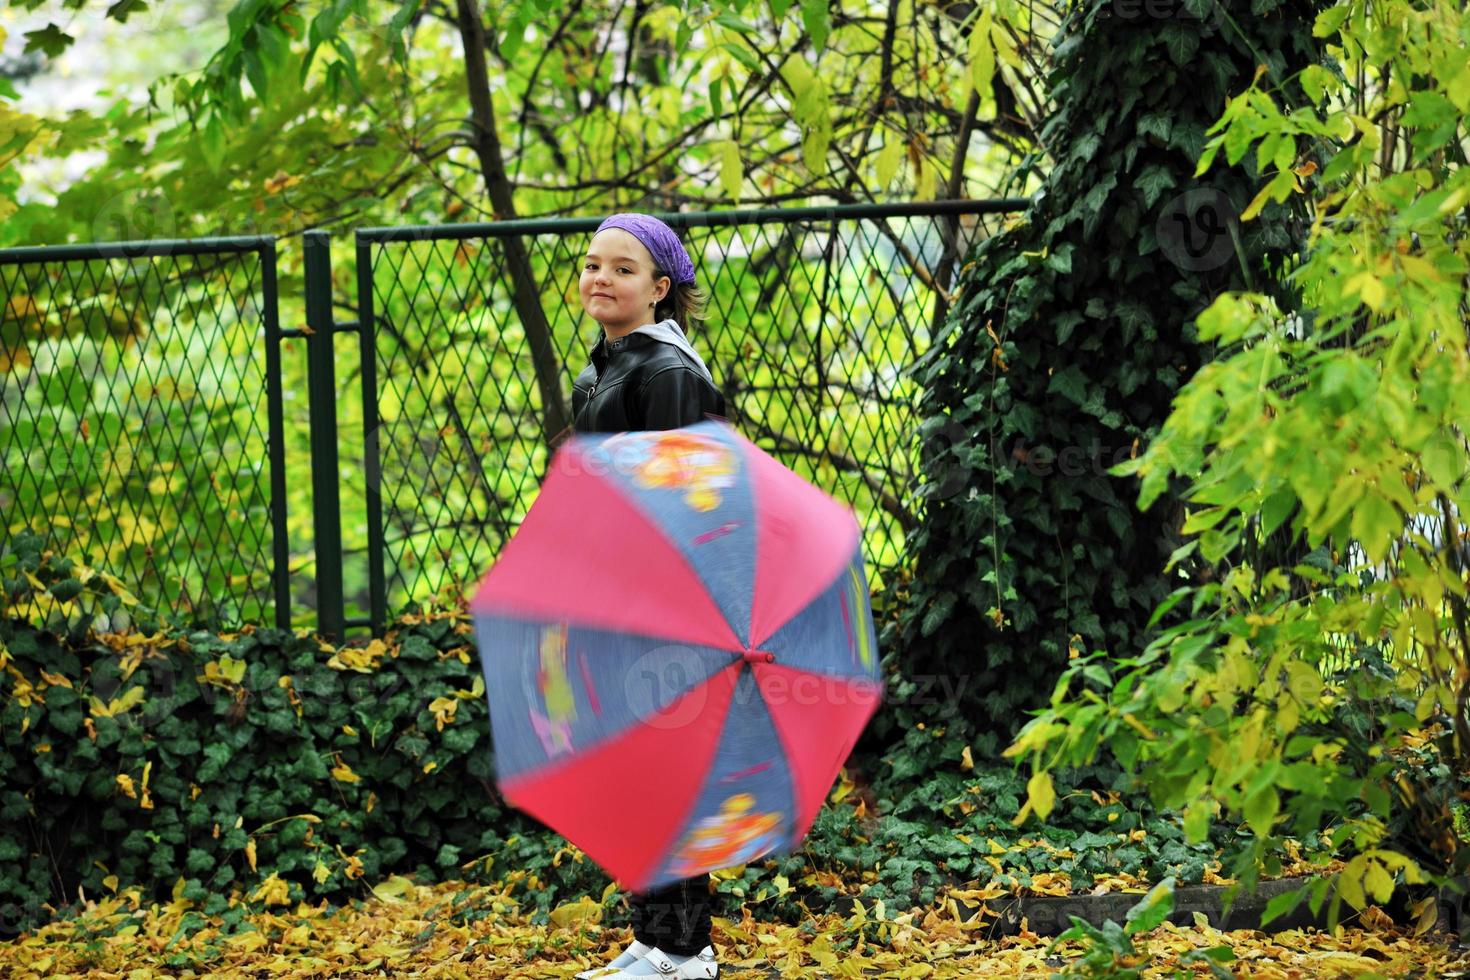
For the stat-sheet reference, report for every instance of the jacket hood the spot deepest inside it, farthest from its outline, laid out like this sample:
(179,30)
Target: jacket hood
(669,332)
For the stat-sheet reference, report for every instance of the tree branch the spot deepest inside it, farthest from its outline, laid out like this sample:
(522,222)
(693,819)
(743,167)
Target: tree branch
(526,295)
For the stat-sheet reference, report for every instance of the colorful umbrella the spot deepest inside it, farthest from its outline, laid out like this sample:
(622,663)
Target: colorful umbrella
(678,652)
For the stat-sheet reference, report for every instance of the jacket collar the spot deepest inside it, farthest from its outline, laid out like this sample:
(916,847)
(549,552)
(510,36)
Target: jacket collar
(605,348)
(663,332)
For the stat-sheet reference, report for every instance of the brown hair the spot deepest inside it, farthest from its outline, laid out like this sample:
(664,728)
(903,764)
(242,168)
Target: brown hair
(683,303)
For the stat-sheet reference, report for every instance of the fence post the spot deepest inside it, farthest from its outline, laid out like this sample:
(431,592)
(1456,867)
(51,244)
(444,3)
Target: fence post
(322,395)
(276,444)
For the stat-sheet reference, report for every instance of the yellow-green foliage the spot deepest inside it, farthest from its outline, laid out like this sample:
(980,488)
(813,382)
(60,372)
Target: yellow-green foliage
(1330,690)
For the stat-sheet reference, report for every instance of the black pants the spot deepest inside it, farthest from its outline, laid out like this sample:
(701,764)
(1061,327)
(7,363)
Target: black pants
(674,917)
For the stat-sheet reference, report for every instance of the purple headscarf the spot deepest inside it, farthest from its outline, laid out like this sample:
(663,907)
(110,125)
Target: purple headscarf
(667,251)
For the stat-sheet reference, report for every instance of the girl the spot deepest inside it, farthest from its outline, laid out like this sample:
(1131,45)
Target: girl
(638,283)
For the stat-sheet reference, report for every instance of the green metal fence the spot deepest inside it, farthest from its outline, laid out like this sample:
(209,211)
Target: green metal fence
(814,316)
(140,418)
(134,377)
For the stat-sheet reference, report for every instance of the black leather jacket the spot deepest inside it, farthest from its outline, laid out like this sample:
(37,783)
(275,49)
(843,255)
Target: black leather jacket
(638,382)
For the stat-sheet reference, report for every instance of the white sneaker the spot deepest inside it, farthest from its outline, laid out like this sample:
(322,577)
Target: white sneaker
(656,965)
(635,952)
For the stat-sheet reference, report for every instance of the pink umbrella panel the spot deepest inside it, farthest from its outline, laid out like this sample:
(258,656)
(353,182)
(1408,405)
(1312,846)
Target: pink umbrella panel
(678,650)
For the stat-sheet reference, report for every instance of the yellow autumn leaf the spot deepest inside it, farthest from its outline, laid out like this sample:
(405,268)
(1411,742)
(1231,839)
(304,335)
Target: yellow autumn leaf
(1368,287)
(363,660)
(115,584)
(250,853)
(889,158)
(130,699)
(232,669)
(393,889)
(343,773)
(125,785)
(1041,794)
(967,762)
(147,801)
(443,710)
(1350,883)
(352,867)
(477,690)
(272,891)
(982,52)
(583,911)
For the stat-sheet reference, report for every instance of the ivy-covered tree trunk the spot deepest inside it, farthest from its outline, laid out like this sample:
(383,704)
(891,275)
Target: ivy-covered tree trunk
(1071,335)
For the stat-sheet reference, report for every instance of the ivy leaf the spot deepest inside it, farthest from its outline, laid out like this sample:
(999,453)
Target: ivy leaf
(1182,41)
(1067,322)
(1093,202)
(1134,318)
(1154,181)
(1155,124)
(1199,9)
(1070,383)
(1085,147)
(1061,260)
(216,756)
(938,613)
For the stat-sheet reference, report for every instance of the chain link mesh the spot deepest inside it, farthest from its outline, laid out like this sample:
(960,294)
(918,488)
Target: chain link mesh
(811,327)
(133,390)
(133,425)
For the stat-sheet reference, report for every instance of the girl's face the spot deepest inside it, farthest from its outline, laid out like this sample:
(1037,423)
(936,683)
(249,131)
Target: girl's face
(618,288)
